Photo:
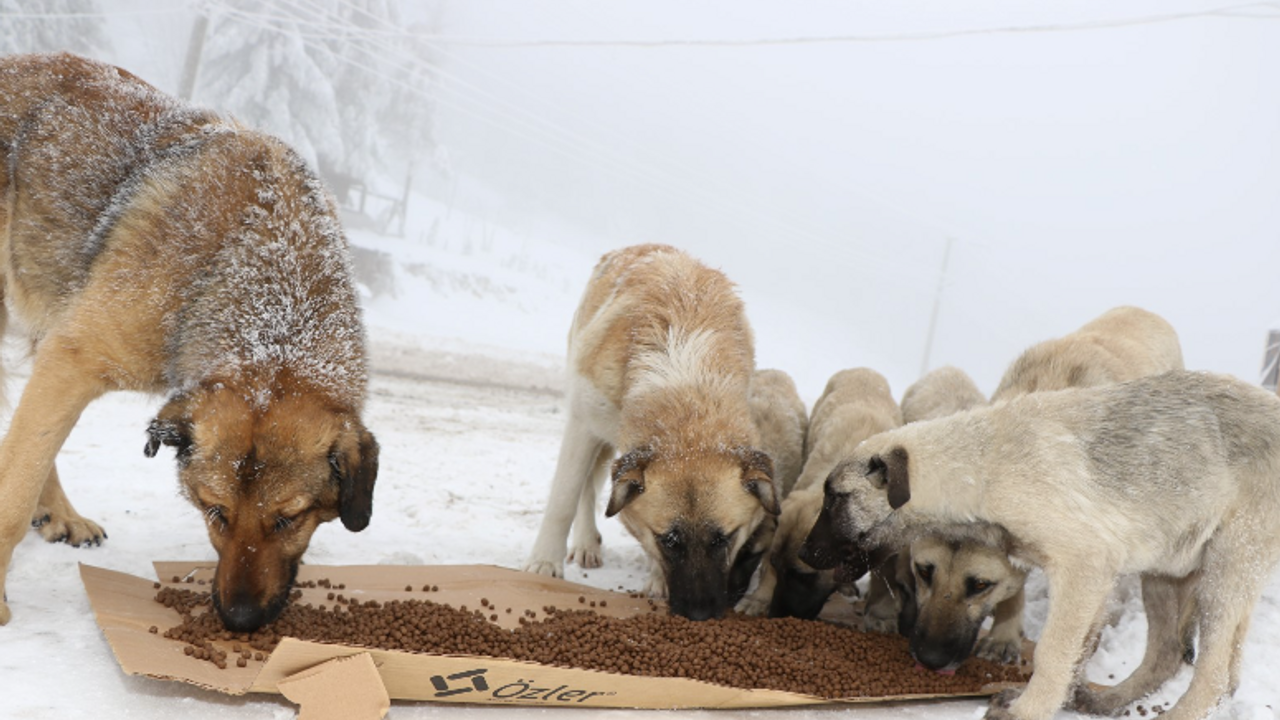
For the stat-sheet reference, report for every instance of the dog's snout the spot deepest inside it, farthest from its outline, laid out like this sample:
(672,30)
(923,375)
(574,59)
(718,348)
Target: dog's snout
(243,616)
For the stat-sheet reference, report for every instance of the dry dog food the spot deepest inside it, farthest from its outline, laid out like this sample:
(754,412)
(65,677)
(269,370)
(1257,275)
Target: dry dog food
(801,656)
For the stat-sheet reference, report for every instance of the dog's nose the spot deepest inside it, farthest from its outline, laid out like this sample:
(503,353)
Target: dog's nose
(935,656)
(698,614)
(243,617)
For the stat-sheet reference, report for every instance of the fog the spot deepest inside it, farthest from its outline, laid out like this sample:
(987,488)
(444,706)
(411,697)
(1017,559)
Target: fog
(1075,156)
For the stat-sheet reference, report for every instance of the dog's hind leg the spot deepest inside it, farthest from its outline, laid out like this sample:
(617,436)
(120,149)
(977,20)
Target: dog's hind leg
(1161,599)
(585,546)
(1077,596)
(1233,575)
(58,521)
(579,452)
(59,389)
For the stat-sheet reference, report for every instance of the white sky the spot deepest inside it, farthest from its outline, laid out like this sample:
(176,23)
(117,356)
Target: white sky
(1074,170)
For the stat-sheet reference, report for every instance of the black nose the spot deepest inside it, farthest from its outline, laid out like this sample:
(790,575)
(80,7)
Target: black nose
(939,654)
(243,616)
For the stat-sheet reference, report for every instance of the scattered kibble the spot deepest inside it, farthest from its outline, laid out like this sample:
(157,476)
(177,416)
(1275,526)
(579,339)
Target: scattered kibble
(802,656)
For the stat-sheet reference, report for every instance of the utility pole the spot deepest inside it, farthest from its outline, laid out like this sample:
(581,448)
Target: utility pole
(937,306)
(191,69)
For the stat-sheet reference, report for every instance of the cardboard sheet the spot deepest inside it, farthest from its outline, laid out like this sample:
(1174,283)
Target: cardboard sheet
(126,610)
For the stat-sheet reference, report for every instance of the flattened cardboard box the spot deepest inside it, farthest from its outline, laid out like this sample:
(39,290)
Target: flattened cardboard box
(125,608)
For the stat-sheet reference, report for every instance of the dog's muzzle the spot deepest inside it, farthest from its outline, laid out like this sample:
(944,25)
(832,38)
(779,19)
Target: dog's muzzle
(828,547)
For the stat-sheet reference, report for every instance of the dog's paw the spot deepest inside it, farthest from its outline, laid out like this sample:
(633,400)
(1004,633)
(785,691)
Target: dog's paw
(656,587)
(73,530)
(876,624)
(753,604)
(1085,699)
(1008,652)
(587,554)
(545,567)
(1000,704)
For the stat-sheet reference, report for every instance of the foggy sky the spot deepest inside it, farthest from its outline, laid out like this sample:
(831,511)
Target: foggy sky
(1074,171)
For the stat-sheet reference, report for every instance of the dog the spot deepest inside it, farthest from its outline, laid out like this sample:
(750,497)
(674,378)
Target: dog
(854,405)
(950,587)
(660,364)
(1175,477)
(1123,343)
(149,245)
(783,423)
(941,392)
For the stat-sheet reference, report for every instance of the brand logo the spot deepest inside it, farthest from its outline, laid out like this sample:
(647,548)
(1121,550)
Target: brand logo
(474,681)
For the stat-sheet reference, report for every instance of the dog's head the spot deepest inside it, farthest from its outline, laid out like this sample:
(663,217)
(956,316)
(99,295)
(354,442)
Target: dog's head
(265,477)
(958,584)
(857,518)
(696,515)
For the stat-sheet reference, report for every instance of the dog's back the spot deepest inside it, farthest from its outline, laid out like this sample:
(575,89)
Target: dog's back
(942,392)
(1122,344)
(779,415)
(220,237)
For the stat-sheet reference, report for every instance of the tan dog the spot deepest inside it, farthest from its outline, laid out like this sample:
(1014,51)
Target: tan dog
(957,584)
(1123,343)
(660,361)
(1175,477)
(941,392)
(152,246)
(855,405)
(783,423)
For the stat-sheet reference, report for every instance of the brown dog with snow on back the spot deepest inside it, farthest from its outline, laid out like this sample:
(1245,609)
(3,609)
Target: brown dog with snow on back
(660,364)
(152,246)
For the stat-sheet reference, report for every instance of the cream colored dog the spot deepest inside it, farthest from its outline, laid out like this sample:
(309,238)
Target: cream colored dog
(941,392)
(1175,477)
(783,423)
(660,361)
(1123,343)
(855,405)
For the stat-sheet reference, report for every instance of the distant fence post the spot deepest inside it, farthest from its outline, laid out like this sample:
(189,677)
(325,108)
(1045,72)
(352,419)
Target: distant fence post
(1271,362)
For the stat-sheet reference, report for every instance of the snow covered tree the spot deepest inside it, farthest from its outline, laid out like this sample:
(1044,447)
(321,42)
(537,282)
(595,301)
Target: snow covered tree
(52,26)
(338,79)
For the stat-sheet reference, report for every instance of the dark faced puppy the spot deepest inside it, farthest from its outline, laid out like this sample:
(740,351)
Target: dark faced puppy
(695,515)
(265,477)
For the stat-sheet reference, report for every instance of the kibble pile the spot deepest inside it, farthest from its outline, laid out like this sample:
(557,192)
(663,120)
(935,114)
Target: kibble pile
(801,656)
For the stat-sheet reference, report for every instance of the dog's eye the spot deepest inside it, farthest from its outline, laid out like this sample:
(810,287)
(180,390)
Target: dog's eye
(925,573)
(974,586)
(283,523)
(719,540)
(216,514)
(670,540)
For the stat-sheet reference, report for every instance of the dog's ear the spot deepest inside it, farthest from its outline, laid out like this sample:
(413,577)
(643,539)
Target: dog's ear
(172,427)
(757,478)
(354,461)
(628,478)
(889,472)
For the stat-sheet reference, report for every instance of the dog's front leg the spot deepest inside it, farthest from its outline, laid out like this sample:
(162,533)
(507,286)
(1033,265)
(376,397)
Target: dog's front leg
(578,453)
(58,521)
(1077,595)
(1004,643)
(50,405)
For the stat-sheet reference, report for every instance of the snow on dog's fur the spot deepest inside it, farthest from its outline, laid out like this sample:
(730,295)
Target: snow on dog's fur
(660,362)
(150,245)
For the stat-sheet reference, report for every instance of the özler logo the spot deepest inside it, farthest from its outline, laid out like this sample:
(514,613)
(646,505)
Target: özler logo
(440,682)
(519,690)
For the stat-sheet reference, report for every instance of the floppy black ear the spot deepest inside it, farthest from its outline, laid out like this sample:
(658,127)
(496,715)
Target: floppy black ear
(628,479)
(354,460)
(899,480)
(757,478)
(171,427)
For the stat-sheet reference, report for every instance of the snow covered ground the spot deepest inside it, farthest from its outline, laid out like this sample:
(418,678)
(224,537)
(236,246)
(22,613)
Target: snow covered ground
(465,400)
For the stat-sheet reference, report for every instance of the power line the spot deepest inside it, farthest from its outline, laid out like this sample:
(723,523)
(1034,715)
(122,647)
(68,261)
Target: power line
(1237,12)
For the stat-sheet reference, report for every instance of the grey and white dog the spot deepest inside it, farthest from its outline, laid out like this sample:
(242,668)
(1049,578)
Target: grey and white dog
(1175,477)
